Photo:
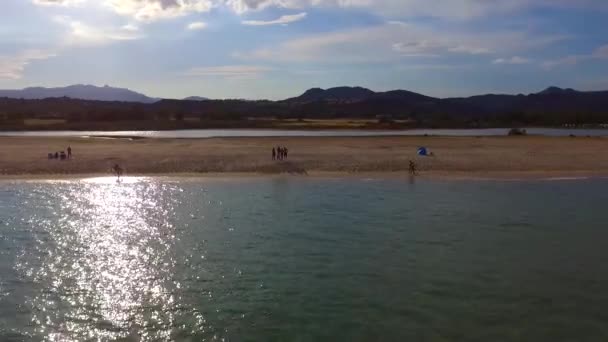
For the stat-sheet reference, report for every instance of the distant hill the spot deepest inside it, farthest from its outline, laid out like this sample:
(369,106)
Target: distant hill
(557,90)
(196,98)
(81,92)
(338,94)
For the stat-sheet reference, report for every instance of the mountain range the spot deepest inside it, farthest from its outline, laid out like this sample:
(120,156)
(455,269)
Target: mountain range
(552,106)
(81,92)
(85,92)
(336,95)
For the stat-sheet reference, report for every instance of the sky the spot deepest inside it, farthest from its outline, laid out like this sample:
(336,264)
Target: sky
(274,49)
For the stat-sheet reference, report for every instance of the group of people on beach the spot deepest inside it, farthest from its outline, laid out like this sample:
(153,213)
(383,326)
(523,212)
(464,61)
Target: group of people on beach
(279,153)
(61,155)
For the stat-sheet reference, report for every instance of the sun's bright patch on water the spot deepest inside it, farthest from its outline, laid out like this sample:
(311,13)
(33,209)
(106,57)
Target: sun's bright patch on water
(115,180)
(107,258)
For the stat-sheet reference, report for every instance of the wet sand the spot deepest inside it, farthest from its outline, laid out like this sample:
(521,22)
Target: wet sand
(454,157)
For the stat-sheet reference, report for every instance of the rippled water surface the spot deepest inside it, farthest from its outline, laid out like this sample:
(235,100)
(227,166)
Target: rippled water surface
(296,259)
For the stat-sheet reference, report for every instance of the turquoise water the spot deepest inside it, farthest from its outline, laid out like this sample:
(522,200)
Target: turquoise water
(214,133)
(298,259)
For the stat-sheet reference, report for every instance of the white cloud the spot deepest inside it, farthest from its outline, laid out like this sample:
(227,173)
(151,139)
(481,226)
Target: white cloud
(427,48)
(392,42)
(198,25)
(422,48)
(58,2)
(152,10)
(12,67)
(408,67)
(283,20)
(228,71)
(456,9)
(599,53)
(80,33)
(130,27)
(472,50)
(512,60)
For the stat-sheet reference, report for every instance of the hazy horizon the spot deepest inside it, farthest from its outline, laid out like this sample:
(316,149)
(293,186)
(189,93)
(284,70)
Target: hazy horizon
(269,49)
(257,99)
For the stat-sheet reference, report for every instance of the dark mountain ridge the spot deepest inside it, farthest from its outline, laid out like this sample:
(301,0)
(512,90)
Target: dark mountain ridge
(79,91)
(550,107)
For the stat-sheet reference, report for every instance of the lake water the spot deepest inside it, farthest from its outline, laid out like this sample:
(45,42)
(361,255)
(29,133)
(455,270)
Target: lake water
(298,259)
(218,133)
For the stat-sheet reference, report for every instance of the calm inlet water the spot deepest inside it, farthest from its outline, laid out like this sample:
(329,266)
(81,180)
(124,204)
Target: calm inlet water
(296,259)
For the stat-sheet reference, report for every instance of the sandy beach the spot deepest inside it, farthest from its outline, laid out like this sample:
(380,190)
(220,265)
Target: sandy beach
(454,157)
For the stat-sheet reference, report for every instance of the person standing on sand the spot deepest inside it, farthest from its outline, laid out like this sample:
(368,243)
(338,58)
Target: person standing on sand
(117,171)
(412,168)
(69,152)
(285,150)
(279,153)
(274,154)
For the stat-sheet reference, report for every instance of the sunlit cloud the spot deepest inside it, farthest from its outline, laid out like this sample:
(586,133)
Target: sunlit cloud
(58,2)
(152,10)
(80,33)
(600,53)
(198,25)
(455,9)
(12,67)
(390,42)
(228,71)
(512,60)
(283,20)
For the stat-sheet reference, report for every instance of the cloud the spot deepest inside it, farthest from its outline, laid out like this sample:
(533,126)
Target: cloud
(454,9)
(512,60)
(64,3)
(390,43)
(80,33)
(283,20)
(197,25)
(12,67)
(408,67)
(130,27)
(228,71)
(598,54)
(472,50)
(152,10)
(427,48)
(422,48)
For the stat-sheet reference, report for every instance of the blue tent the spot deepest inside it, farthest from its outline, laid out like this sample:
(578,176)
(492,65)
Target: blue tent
(422,151)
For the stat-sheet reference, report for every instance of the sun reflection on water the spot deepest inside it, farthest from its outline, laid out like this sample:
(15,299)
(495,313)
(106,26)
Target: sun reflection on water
(108,256)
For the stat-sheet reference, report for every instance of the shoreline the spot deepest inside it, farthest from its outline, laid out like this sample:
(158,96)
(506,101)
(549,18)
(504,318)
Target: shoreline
(489,177)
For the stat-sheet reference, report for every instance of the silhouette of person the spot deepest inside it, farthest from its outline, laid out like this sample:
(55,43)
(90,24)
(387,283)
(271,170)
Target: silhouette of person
(117,171)
(285,150)
(274,154)
(412,168)
(69,152)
